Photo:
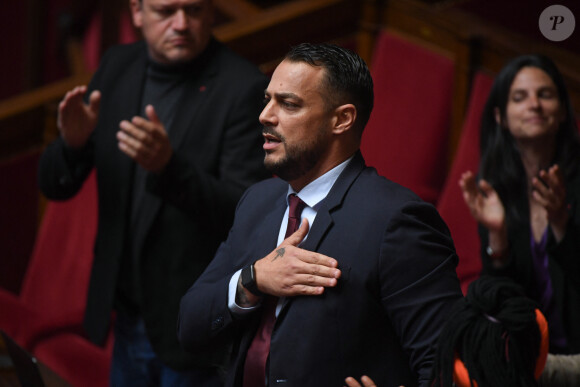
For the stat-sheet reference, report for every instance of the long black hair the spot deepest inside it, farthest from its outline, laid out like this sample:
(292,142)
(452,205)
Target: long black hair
(501,163)
(493,330)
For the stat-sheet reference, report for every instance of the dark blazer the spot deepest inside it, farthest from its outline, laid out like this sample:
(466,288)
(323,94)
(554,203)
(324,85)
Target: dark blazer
(398,282)
(217,144)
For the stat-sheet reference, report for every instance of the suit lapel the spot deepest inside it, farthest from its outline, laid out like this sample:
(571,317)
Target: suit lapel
(268,238)
(198,85)
(183,124)
(332,201)
(323,221)
(129,106)
(184,120)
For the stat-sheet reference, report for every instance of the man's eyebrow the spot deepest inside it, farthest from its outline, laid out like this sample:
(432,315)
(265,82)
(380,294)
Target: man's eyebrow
(282,94)
(288,96)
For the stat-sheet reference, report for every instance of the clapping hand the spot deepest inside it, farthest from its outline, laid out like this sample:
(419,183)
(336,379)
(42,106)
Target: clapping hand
(550,191)
(483,202)
(146,141)
(366,382)
(77,120)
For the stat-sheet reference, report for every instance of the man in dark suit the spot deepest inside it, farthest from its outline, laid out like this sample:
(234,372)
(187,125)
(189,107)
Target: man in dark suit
(362,287)
(171,126)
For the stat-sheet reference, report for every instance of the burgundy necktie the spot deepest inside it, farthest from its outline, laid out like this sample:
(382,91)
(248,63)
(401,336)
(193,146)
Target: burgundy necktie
(296,205)
(255,366)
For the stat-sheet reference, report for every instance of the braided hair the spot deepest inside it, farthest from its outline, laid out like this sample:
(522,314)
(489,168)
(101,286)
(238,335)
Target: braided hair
(493,330)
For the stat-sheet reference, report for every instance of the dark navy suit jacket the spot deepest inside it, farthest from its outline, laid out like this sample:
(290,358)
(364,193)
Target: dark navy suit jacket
(398,282)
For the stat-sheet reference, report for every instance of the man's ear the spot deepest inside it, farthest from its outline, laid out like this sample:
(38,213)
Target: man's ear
(345,117)
(136,7)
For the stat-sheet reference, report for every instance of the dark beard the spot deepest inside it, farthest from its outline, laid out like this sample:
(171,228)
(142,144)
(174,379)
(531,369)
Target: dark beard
(295,165)
(299,159)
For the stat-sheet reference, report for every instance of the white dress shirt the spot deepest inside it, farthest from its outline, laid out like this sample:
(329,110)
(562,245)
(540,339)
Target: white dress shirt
(313,195)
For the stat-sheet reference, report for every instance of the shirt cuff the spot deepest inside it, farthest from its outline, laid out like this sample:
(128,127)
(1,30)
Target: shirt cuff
(233,288)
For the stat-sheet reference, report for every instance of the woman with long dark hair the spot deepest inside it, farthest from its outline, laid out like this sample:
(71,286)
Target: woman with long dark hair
(526,196)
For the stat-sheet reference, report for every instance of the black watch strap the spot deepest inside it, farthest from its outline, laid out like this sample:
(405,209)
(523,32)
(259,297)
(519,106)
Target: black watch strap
(249,280)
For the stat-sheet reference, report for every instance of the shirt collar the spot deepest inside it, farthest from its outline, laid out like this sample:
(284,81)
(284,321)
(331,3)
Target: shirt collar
(313,193)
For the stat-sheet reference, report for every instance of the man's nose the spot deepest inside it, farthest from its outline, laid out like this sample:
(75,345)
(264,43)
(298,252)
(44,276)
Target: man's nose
(180,21)
(267,116)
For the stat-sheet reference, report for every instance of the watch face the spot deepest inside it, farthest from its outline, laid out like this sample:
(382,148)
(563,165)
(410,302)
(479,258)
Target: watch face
(252,276)
(248,277)
(248,280)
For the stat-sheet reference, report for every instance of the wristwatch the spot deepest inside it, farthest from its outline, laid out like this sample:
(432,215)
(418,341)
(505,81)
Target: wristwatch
(493,254)
(249,280)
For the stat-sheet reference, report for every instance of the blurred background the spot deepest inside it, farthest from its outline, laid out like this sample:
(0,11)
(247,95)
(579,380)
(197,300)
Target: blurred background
(429,58)
(432,61)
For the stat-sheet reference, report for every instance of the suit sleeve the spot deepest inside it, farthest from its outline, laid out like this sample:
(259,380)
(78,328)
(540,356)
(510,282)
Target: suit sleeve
(62,170)
(419,283)
(204,317)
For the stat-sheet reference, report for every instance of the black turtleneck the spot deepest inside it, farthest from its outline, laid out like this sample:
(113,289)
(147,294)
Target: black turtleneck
(163,88)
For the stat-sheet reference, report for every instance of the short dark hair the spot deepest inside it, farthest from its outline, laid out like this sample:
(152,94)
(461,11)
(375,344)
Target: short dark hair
(348,78)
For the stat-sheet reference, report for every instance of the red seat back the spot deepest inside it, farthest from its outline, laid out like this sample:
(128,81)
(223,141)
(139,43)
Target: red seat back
(451,205)
(92,39)
(406,138)
(57,278)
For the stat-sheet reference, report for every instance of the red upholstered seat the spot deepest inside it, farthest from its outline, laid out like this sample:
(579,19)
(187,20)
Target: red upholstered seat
(47,315)
(406,138)
(92,38)
(77,360)
(451,205)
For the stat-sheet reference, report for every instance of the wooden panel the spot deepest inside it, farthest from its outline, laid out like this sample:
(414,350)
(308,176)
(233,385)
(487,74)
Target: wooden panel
(498,44)
(236,9)
(23,119)
(270,33)
(370,23)
(39,97)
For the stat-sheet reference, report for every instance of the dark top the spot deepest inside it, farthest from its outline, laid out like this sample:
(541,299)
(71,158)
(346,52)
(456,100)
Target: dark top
(563,268)
(187,209)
